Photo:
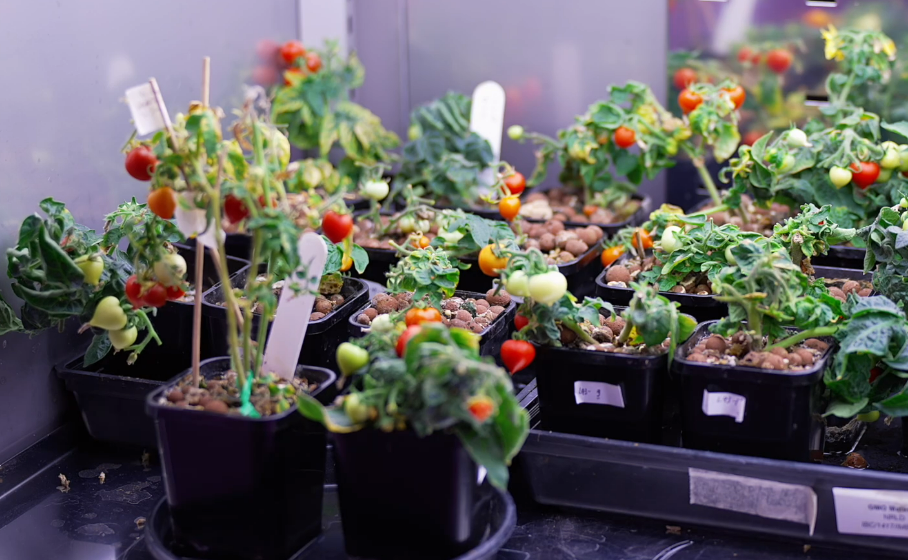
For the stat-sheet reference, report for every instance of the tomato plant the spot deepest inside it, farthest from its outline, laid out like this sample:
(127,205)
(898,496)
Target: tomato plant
(437,382)
(684,77)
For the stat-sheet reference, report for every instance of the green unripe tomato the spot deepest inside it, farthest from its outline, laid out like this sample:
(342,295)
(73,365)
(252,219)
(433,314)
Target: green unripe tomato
(108,315)
(518,284)
(407,225)
(355,409)
(92,266)
(839,176)
(903,158)
(891,160)
(170,270)
(351,357)
(884,176)
(797,138)
(548,287)
(787,163)
(871,416)
(123,338)
(375,190)
(414,132)
(515,132)
(423,225)
(670,241)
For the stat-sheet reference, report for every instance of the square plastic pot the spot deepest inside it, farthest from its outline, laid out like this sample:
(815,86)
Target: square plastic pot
(322,336)
(405,497)
(493,336)
(111,393)
(751,411)
(238,487)
(602,394)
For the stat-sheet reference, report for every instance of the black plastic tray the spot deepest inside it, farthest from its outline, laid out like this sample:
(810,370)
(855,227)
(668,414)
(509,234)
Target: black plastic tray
(842,256)
(655,481)
(707,308)
(322,336)
(493,336)
(330,544)
(111,394)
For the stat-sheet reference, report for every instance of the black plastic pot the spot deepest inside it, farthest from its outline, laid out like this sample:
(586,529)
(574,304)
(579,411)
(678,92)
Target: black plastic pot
(405,497)
(841,256)
(322,336)
(758,412)
(493,336)
(111,393)
(238,487)
(602,394)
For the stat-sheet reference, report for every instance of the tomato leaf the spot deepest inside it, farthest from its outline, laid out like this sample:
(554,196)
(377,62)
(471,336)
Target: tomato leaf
(100,346)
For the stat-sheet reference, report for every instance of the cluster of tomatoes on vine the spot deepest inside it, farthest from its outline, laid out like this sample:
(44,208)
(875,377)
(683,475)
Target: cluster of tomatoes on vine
(509,205)
(287,59)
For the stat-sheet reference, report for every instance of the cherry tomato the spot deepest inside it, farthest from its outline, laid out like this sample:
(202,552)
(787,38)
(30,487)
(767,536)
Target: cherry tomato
(745,54)
(751,137)
(346,263)
(589,210)
(864,174)
(625,137)
(520,321)
(405,337)
(643,238)
(611,255)
(134,292)
(516,182)
(292,50)
(291,71)
(684,77)
(489,263)
(140,163)
(336,226)
(108,315)
(481,407)
(689,100)
(423,242)
(174,293)
(517,355)
(162,202)
(418,316)
(313,62)
(156,296)
(267,50)
(756,58)
(737,95)
(509,207)
(235,209)
(779,60)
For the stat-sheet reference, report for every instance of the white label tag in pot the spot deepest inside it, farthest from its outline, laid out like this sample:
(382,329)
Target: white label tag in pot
(594,392)
(143,105)
(871,512)
(487,120)
(724,404)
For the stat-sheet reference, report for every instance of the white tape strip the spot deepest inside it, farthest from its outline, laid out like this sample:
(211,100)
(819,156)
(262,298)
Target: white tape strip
(755,496)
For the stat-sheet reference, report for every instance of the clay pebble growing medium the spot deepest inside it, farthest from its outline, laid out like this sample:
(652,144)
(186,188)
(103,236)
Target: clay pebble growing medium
(606,337)
(737,351)
(466,313)
(222,395)
(562,205)
(364,233)
(325,303)
(561,245)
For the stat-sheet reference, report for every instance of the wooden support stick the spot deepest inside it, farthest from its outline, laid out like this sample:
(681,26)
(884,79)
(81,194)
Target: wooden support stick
(199,260)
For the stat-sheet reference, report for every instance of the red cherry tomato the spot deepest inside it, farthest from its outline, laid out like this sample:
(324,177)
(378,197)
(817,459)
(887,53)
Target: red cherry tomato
(779,60)
(133,292)
(313,62)
(516,183)
(292,50)
(174,293)
(517,355)
(337,227)
(625,137)
(751,137)
(405,337)
(265,76)
(520,321)
(235,209)
(267,50)
(689,100)
(156,296)
(140,163)
(737,95)
(864,174)
(745,54)
(684,77)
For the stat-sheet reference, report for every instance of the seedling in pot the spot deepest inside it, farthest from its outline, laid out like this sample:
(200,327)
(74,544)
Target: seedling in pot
(428,378)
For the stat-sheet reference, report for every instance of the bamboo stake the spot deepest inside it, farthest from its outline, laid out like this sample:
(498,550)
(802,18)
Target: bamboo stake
(199,257)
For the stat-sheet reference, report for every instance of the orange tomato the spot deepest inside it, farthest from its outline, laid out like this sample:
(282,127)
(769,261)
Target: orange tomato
(418,316)
(489,263)
(625,137)
(346,263)
(589,210)
(481,407)
(423,242)
(643,238)
(689,100)
(291,71)
(611,255)
(737,95)
(163,202)
(509,207)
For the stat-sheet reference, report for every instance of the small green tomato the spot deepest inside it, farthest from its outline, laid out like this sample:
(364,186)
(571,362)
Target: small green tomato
(787,163)
(92,266)
(548,287)
(891,160)
(123,338)
(518,284)
(903,158)
(515,132)
(355,409)
(884,176)
(797,138)
(351,357)
(839,176)
(670,241)
(407,224)
(423,225)
(170,270)
(375,190)
(871,416)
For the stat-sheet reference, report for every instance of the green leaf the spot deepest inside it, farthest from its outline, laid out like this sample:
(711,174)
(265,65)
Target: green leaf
(900,128)
(9,322)
(360,259)
(486,452)
(99,347)
(845,409)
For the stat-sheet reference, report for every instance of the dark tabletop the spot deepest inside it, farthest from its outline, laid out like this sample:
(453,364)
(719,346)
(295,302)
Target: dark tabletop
(40,520)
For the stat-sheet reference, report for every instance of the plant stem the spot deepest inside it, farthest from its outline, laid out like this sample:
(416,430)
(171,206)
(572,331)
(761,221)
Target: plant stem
(755,324)
(707,181)
(804,335)
(625,332)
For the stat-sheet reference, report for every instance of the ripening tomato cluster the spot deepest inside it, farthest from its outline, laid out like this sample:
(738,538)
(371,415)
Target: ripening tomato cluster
(778,60)
(291,58)
(141,164)
(509,206)
(169,272)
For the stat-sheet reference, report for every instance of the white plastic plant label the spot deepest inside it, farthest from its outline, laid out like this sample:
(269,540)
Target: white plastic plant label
(594,392)
(724,404)
(143,105)
(487,120)
(192,223)
(881,513)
